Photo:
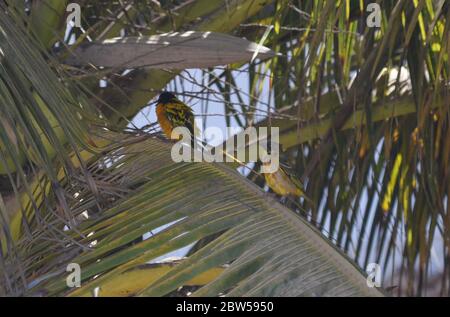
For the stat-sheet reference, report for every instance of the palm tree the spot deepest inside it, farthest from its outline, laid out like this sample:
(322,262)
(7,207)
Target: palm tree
(363,119)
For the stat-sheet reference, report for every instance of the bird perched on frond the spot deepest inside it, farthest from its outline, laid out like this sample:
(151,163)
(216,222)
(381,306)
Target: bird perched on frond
(173,113)
(285,184)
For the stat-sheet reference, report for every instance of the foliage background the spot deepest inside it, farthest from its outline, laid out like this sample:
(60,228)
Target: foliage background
(363,115)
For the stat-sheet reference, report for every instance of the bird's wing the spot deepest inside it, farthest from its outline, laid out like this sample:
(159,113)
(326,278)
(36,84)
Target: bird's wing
(295,180)
(180,115)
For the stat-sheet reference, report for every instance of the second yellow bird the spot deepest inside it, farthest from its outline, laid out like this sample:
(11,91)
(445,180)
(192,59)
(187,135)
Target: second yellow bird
(284,184)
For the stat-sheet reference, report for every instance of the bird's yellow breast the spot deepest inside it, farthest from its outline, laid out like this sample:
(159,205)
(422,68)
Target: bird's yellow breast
(164,122)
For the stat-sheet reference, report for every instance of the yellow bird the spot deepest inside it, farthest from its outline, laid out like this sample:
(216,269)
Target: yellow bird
(172,113)
(284,184)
